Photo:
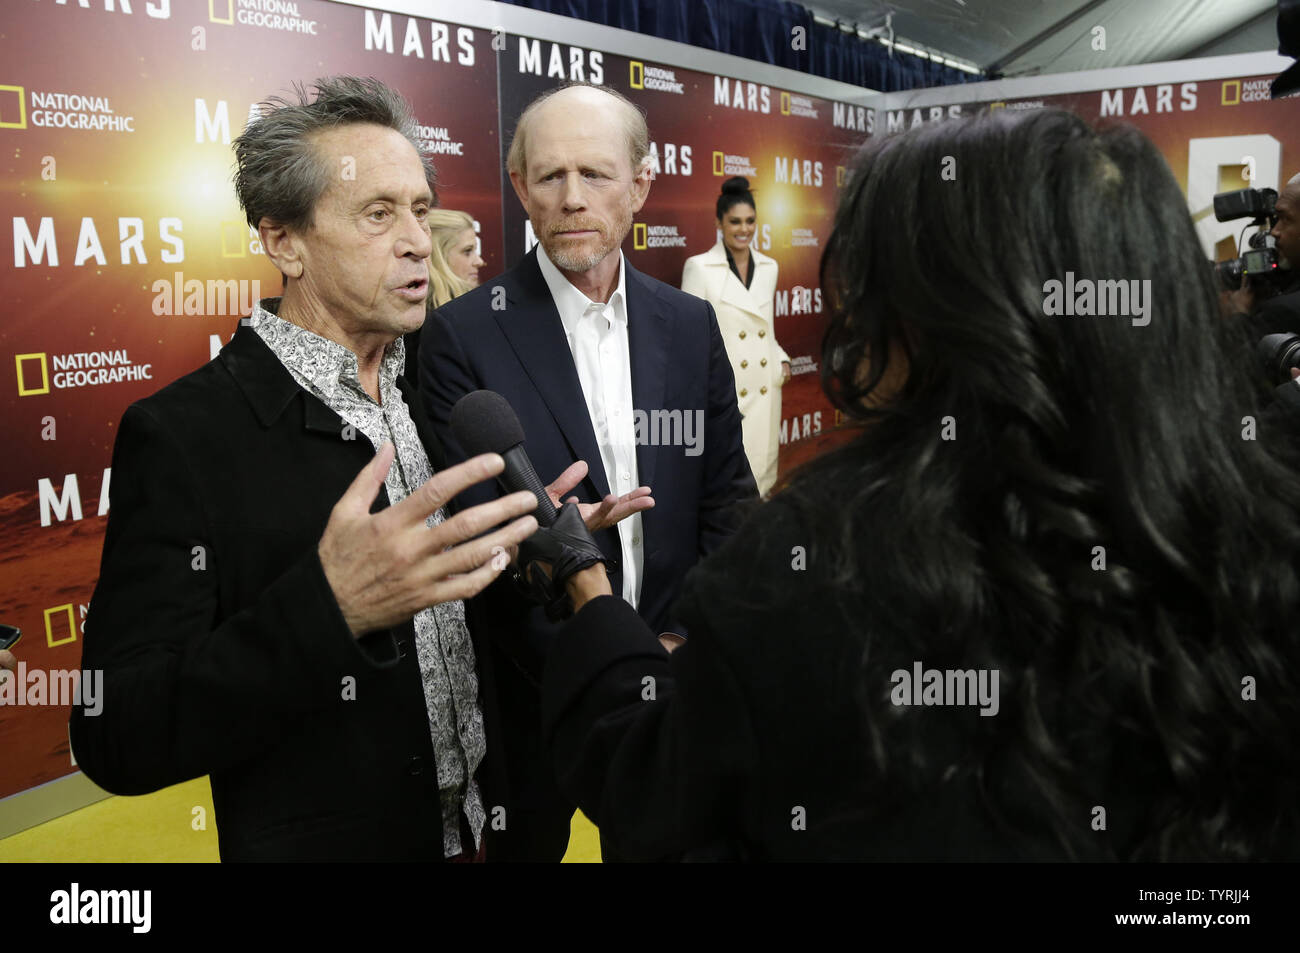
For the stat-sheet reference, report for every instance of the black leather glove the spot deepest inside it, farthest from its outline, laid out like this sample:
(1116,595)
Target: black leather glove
(566,547)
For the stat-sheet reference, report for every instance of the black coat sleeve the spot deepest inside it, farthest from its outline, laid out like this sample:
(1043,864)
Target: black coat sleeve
(656,749)
(185,694)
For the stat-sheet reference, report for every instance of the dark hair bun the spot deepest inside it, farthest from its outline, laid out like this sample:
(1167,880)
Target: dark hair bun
(735,191)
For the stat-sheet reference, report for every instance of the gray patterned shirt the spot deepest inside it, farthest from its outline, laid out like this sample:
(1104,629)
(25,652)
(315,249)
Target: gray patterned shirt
(329,372)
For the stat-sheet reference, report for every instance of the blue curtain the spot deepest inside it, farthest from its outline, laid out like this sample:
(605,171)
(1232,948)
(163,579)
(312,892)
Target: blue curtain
(762,30)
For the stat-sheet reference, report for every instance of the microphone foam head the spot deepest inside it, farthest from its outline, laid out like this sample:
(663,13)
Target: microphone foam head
(484,422)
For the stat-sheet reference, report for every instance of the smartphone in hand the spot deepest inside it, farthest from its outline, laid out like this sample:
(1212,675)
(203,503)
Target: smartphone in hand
(9,635)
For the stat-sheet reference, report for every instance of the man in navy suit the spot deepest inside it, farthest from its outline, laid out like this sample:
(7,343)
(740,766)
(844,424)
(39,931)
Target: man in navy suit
(621,382)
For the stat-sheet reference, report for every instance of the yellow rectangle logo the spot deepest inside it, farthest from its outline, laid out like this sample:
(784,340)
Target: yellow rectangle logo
(23,389)
(239,229)
(785,104)
(718,162)
(636,75)
(1236,92)
(638,236)
(230,12)
(50,640)
(7,111)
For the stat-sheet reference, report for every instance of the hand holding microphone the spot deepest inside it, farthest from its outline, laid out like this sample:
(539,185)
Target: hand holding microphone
(562,549)
(484,422)
(554,556)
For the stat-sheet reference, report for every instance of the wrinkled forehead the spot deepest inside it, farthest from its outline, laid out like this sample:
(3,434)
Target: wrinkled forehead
(576,131)
(367,158)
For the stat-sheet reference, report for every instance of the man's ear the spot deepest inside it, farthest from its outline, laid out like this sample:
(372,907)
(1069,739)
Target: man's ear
(281,247)
(521,187)
(641,183)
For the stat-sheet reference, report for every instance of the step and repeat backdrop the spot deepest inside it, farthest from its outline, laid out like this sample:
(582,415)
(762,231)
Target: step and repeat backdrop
(129,263)
(1216,134)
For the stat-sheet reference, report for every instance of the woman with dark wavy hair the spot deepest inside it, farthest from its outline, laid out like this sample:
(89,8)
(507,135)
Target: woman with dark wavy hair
(1042,607)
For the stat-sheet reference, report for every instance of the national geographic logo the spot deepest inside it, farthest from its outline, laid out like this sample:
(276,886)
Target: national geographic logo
(1020,104)
(437,141)
(795,105)
(72,371)
(802,238)
(646,236)
(280,15)
(1234,92)
(60,111)
(724,164)
(655,78)
(13,107)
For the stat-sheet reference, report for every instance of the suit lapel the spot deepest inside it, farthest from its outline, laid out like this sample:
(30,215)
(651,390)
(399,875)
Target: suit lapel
(531,323)
(648,340)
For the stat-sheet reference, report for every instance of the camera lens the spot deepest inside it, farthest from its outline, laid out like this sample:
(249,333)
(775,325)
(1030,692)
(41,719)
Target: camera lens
(1229,273)
(1280,353)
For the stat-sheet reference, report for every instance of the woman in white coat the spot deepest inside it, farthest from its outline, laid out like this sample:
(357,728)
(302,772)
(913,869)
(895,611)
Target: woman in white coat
(740,283)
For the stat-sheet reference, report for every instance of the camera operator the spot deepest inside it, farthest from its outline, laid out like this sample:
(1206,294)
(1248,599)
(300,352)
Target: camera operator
(1280,312)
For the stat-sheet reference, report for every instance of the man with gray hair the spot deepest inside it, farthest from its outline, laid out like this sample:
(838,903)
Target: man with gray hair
(619,380)
(279,603)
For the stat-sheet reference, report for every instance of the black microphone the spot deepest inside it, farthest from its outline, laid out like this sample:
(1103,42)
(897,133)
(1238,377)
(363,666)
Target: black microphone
(484,422)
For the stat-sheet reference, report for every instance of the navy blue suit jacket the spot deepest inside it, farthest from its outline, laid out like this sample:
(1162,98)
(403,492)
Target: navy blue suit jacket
(678,362)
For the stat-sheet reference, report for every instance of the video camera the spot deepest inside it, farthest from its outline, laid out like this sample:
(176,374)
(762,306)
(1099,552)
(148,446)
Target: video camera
(1260,263)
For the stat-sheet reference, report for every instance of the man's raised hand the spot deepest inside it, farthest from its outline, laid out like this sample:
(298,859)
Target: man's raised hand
(385,567)
(608,511)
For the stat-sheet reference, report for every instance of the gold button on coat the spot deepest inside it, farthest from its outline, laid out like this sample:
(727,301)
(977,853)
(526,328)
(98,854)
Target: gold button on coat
(744,392)
(742,335)
(762,334)
(762,363)
(744,364)
(763,389)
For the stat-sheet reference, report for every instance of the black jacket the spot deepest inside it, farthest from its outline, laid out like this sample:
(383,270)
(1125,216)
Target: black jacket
(223,648)
(750,741)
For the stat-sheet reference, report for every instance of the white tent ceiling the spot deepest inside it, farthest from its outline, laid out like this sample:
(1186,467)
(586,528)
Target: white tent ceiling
(1026,37)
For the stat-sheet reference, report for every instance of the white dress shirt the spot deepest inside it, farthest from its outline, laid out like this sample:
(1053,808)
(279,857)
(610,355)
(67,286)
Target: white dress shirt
(597,335)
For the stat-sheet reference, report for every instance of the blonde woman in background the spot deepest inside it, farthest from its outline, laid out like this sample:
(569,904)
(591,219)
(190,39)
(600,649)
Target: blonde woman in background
(740,283)
(453,270)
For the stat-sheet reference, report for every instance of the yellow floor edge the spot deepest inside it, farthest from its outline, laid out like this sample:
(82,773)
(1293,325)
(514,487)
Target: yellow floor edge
(174,825)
